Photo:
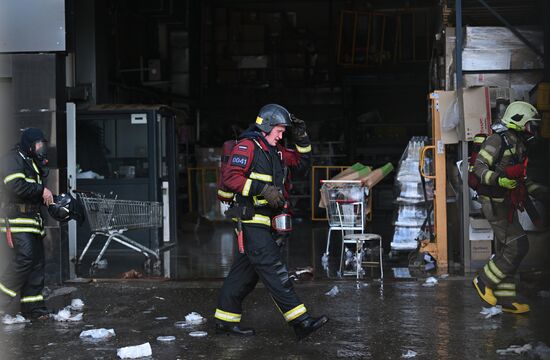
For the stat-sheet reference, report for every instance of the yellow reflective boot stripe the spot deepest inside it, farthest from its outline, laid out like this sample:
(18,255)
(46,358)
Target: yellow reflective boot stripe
(7,291)
(505,293)
(488,157)
(246,188)
(496,270)
(294,313)
(490,275)
(261,177)
(507,286)
(227,316)
(11,177)
(29,299)
(225,194)
(303,150)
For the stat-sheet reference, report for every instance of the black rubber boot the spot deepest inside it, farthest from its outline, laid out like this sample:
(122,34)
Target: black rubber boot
(309,325)
(233,328)
(41,313)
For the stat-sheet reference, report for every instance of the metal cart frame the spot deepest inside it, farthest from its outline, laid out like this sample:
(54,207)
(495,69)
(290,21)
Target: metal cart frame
(110,218)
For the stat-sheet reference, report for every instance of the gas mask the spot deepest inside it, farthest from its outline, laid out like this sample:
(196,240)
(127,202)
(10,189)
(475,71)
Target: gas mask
(531,133)
(39,153)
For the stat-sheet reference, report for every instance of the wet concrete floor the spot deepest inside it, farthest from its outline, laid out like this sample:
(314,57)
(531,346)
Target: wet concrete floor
(375,321)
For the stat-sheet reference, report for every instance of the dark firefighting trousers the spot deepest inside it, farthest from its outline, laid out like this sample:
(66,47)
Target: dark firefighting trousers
(261,260)
(511,247)
(23,274)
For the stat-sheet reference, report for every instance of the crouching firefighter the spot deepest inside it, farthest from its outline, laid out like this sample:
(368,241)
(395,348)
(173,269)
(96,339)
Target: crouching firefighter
(255,177)
(503,189)
(22,172)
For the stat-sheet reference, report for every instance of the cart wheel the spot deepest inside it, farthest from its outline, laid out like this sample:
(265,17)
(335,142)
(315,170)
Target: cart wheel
(93,269)
(147,266)
(156,268)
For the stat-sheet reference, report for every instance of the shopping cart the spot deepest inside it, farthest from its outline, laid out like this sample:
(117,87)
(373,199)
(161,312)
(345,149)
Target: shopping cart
(348,209)
(110,218)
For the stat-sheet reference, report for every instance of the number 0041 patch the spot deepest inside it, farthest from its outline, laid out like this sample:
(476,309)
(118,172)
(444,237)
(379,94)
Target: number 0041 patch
(239,160)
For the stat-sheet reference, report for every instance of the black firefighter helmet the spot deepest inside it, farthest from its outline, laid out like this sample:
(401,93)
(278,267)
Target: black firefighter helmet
(272,115)
(65,208)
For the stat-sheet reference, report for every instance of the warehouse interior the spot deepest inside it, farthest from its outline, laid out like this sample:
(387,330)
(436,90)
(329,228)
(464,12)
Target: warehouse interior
(362,74)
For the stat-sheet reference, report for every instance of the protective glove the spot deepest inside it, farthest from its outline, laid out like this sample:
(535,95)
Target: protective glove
(273,196)
(507,183)
(299,129)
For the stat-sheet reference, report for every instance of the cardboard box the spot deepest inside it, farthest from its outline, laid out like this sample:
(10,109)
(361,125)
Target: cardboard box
(480,230)
(477,113)
(481,250)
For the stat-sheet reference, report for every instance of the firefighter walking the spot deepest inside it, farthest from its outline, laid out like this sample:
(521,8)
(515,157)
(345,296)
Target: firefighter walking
(501,166)
(255,178)
(22,173)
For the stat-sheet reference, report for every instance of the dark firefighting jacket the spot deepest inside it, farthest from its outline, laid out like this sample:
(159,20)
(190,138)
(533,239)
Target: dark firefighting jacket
(253,163)
(21,194)
(493,161)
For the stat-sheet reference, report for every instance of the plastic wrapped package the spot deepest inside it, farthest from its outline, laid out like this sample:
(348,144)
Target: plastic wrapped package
(412,206)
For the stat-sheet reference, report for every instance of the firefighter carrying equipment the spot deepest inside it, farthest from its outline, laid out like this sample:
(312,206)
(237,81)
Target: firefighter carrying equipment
(21,197)
(251,165)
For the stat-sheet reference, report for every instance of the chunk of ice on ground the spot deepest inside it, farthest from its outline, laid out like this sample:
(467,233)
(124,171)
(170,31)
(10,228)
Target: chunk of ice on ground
(17,319)
(431,281)
(65,315)
(492,311)
(194,318)
(77,304)
(333,292)
(515,349)
(134,352)
(409,354)
(98,333)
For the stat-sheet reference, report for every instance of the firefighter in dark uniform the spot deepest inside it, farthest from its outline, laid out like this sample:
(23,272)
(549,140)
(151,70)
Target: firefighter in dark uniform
(22,174)
(501,169)
(256,175)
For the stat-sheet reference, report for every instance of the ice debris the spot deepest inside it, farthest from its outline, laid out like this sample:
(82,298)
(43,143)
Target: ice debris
(17,319)
(431,281)
(409,354)
(98,333)
(65,315)
(134,352)
(492,311)
(77,304)
(333,292)
(194,318)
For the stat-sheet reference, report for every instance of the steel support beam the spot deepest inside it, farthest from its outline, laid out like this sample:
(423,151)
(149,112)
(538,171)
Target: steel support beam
(511,28)
(464,198)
